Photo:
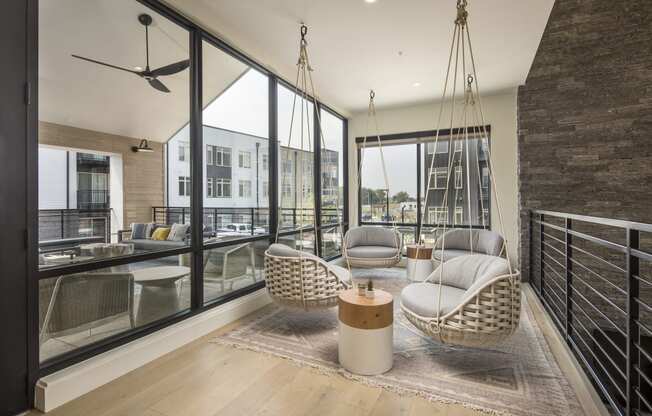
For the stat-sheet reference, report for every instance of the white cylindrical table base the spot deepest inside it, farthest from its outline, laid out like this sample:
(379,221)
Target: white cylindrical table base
(366,351)
(419,263)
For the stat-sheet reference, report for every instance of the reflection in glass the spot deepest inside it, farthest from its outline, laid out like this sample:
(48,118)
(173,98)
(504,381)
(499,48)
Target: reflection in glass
(233,267)
(82,308)
(99,195)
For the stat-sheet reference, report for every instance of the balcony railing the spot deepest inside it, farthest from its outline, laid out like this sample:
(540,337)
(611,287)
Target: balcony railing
(594,277)
(59,228)
(93,200)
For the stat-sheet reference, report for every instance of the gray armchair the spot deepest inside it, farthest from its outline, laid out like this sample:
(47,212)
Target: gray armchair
(225,265)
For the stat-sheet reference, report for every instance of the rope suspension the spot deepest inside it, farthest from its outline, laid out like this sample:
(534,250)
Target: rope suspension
(303,86)
(472,130)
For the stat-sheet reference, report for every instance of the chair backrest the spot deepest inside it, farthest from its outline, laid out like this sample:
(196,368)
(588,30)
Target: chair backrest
(372,236)
(470,272)
(483,241)
(84,298)
(281,250)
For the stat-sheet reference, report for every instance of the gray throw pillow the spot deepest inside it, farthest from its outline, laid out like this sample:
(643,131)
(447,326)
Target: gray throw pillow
(138,231)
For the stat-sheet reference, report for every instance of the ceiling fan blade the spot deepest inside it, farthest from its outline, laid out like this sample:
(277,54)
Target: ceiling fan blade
(105,64)
(158,85)
(171,69)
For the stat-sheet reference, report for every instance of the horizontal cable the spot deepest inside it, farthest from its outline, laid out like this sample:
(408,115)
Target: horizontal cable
(553,226)
(597,292)
(557,303)
(644,305)
(641,254)
(643,399)
(563,254)
(581,309)
(563,266)
(599,276)
(559,288)
(588,366)
(643,375)
(642,280)
(599,241)
(596,257)
(607,355)
(642,351)
(595,308)
(643,326)
(552,237)
(598,220)
(575,306)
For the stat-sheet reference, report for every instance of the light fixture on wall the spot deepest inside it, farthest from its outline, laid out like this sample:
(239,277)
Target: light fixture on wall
(143,146)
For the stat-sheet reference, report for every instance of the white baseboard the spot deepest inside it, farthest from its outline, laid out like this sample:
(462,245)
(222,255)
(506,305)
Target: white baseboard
(63,386)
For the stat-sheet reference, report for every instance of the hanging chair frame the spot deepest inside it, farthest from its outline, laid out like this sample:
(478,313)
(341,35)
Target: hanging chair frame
(305,281)
(366,262)
(491,313)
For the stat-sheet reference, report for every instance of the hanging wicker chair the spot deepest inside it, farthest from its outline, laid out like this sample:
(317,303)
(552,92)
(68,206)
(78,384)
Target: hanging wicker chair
(301,280)
(371,247)
(476,304)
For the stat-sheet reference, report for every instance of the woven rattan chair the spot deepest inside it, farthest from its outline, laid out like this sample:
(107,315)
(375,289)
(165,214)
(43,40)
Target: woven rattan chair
(477,304)
(76,302)
(371,247)
(463,241)
(302,280)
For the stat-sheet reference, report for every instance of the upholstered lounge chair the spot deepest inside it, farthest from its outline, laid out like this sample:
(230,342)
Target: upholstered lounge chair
(372,247)
(479,304)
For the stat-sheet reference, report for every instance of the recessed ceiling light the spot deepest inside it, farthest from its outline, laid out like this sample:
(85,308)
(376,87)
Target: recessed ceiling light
(416,84)
(138,68)
(369,1)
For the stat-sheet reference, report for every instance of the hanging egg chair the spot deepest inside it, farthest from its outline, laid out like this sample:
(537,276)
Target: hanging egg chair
(470,299)
(294,278)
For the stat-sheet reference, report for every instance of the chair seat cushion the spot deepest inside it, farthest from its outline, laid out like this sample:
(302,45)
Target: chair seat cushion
(372,252)
(449,253)
(341,273)
(422,299)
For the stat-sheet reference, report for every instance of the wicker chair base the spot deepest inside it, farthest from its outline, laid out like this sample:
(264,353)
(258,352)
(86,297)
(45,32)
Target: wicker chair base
(370,263)
(305,305)
(488,318)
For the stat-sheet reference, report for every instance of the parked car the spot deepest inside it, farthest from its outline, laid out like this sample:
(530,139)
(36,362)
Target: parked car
(242,229)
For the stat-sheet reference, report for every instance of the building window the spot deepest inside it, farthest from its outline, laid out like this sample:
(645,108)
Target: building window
(438,215)
(459,145)
(439,178)
(244,159)
(184,152)
(265,189)
(264,162)
(459,216)
(218,156)
(184,186)
(286,190)
(485,177)
(458,177)
(210,187)
(222,188)
(306,190)
(244,189)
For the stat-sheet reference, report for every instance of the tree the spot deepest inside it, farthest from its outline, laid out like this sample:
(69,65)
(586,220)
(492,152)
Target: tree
(401,196)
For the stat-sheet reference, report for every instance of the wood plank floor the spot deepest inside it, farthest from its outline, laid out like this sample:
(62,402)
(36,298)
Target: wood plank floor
(202,378)
(209,379)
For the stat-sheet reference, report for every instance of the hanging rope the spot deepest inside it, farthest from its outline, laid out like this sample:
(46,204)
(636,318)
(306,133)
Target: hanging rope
(471,112)
(302,85)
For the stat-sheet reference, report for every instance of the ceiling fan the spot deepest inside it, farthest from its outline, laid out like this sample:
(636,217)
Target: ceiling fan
(150,75)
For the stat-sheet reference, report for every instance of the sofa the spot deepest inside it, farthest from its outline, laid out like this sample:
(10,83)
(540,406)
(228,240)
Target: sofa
(140,235)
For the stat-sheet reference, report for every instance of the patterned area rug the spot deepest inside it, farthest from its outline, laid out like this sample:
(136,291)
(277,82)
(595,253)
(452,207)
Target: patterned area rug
(520,377)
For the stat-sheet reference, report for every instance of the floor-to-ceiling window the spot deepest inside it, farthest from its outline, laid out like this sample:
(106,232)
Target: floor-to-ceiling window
(114,85)
(153,203)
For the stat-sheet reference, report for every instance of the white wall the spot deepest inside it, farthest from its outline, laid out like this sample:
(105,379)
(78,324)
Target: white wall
(52,189)
(500,113)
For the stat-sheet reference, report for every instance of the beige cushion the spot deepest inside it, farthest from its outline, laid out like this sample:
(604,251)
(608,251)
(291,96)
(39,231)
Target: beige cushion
(463,239)
(342,274)
(281,250)
(465,271)
(422,299)
(372,252)
(449,254)
(372,236)
(178,232)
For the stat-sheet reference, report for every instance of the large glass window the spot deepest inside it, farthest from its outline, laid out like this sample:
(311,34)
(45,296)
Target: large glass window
(332,182)
(296,159)
(398,203)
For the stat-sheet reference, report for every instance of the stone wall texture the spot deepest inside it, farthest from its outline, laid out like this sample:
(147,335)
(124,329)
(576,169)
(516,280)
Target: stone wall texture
(585,115)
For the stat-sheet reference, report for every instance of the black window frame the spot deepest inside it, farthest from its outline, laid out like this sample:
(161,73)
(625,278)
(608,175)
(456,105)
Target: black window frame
(197,34)
(418,138)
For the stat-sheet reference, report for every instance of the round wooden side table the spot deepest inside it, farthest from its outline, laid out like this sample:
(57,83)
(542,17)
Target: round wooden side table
(419,262)
(366,332)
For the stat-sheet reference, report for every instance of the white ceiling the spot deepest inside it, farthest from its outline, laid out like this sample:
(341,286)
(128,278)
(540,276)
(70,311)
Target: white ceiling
(355,45)
(86,95)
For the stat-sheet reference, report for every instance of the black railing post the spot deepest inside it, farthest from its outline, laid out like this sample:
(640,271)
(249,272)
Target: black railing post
(253,223)
(183,215)
(215,221)
(541,272)
(633,356)
(62,224)
(569,278)
(531,249)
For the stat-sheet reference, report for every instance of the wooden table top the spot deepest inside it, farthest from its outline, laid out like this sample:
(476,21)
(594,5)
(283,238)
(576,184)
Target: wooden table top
(365,313)
(420,252)
(380,298)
